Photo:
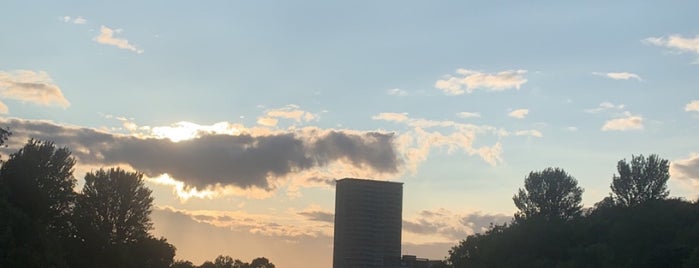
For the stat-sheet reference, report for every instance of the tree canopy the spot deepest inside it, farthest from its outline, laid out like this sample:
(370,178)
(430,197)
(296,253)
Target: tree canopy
(551,194)
(36,201)
(646,230)
(641,180)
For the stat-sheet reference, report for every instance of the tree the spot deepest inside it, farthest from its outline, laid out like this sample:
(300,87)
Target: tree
(37,199)
(261,262)
(641,180)
(183,264)
(551,193)
(224,262)
(115,204)
(38,180)
(112,217)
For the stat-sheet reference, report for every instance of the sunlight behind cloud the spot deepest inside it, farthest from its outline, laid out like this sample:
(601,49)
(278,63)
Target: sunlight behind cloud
(186,130)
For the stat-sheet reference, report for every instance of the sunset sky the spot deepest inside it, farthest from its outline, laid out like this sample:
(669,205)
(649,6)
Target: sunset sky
(242,113)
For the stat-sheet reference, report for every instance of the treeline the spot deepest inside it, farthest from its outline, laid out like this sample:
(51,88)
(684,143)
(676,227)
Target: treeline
(45,223)
(637,225)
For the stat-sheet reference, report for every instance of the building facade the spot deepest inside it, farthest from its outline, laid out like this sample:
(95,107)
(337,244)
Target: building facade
(368,222)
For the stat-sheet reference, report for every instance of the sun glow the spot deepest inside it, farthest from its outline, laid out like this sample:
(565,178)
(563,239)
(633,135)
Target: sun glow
(183,130)
(183,193)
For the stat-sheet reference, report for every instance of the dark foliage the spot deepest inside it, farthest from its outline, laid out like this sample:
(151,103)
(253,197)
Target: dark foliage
(550,194)
(641,180)
(648,231)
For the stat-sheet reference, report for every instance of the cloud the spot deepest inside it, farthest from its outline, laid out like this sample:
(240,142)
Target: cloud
(243,161)
(532,133)
(33,87)
(417,143)
(451,225)
(470,80)
(604,107)
(267,121)
(78,20)
(107,37)
(676,42)
(619,76)
(519,113)
(628,122)
(194,238)
(686,169)
(397,92)
(468,115)
(396,117)
(290,111)
(318,215)
(692,106)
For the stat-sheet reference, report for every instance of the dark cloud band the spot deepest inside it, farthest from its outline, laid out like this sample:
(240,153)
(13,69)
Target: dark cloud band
(217,159)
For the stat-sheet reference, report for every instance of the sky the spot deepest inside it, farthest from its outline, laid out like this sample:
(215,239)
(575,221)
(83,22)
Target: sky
(241,114)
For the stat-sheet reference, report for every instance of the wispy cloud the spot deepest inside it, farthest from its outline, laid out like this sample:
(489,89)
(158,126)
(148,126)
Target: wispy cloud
(628,122)
(519,113)
(318,215)
(396,92)
(531,132)
(619,76)
(290,111)
(77,20)
(468,115)
(605,106)
(31,86)
(417,143)
(676,42)
(107,37)
(469,80)
(692,106)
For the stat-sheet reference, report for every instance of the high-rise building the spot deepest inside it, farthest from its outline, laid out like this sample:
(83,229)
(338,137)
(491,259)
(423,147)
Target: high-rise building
(368,221)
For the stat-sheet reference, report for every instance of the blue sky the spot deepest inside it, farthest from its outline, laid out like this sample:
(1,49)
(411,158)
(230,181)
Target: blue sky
(457,99)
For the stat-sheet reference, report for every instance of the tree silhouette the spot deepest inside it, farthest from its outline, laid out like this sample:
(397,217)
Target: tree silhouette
(641,180)
(261,262)
(183,264)
(36,200)
(224,262)
(112,218)
(551,193)
(116,204)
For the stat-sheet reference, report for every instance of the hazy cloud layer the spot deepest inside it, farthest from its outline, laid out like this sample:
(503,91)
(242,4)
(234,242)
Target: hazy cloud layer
(318,215)
(31,86)
(619,76)
(107,37)
(467,81)
(451,225)
(692,106)
(217,159)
